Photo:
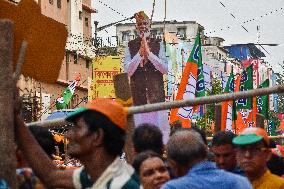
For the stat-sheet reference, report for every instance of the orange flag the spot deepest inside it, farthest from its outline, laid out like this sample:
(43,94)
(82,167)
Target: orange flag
(187,86)
(238,125)
(227,106)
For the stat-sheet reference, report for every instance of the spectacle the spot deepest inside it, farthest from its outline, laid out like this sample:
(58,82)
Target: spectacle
(252,149)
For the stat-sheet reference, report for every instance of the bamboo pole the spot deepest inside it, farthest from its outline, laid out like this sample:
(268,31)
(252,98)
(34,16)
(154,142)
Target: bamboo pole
(205,100)
(182,103)
(7,144)
(59,122)
(218,117)
(270,137)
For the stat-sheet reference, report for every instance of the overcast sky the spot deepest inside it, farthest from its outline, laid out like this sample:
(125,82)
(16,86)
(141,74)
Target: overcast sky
(215,17)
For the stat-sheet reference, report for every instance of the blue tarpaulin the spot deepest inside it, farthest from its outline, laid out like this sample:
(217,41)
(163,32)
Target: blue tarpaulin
(244,51)
(240,52)
(59,114)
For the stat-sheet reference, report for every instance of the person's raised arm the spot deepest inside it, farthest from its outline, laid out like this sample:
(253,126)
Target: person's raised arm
(39,161)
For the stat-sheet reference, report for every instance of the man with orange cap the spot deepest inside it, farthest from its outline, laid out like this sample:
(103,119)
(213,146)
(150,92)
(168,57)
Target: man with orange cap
(96,139)
(145,62)
(252,155)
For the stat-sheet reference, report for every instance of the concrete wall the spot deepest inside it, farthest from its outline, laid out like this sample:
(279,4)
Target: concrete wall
(87,31)
(215,52)
(50,9)
(76,24)
(68,14)
(215,41)
(69,70)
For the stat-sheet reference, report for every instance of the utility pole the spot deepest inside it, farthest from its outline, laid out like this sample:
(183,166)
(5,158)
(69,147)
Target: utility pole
(7,145)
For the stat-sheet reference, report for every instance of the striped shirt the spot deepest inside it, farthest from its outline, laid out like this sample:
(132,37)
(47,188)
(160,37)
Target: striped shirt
(118,175)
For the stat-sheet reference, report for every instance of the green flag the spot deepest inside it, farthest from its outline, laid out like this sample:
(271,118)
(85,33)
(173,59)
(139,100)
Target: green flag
(63,100)
(245,84)
(200,86)
(230,85)
(263,101)
(230,88)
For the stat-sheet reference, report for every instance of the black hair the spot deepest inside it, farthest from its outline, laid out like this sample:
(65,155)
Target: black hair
(222,138)
(141,157)
(44,138)
(272,144)
(114,136)
(276,165)
(148,137)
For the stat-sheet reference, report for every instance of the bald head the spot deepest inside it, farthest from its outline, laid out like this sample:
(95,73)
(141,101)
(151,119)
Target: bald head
(185,147)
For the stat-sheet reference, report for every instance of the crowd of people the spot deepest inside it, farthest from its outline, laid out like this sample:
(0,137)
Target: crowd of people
(186,161)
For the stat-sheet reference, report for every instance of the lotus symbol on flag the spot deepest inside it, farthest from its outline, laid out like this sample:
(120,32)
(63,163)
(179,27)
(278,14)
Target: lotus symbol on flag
(60,99)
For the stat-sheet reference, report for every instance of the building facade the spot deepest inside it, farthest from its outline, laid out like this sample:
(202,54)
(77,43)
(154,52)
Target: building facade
(185,30)
(39,97)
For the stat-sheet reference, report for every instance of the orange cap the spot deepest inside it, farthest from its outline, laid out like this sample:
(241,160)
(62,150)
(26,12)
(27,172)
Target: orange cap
(109,108)
(251,135)
(141,16)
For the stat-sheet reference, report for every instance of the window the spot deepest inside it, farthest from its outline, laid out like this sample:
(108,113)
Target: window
(87,63)
(51,2)
(75,58)
(220,56)
(80,15)
(181,33)
(59,4)
(160,33)
(136,33)
(153,33)
(86,22)
(126,36)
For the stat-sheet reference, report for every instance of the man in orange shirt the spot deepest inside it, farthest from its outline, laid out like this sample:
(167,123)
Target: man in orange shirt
(252,155)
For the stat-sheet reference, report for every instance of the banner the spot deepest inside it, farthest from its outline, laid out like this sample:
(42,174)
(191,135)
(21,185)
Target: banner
(263,101)
(227,106)
(104,68)
(246,84)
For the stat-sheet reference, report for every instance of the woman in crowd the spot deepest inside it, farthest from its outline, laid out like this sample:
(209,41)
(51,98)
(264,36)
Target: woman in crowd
(151,169)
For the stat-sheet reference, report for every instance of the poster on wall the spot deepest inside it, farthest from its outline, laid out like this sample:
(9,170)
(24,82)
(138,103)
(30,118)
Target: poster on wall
(104,68)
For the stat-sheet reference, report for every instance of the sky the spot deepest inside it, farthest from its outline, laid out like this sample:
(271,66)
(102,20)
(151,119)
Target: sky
(214,15)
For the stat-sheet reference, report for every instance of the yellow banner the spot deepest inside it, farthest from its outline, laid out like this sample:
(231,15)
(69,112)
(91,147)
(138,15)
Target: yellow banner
(104,68)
